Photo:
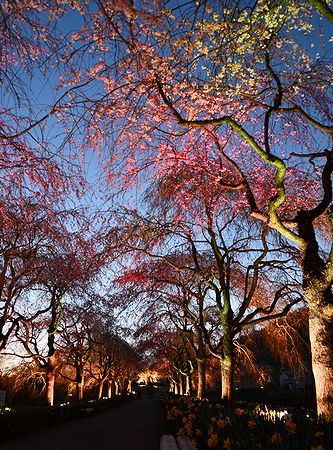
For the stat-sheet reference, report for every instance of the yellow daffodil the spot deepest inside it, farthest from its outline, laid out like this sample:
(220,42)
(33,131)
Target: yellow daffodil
(290,425)
(210,430)
(239,411)
(220,423)
(276,438)
(227,443)
(188,430)
(319,434)
(251,424)
(213,440)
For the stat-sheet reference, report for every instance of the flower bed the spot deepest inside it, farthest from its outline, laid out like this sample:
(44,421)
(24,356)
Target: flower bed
(246,426)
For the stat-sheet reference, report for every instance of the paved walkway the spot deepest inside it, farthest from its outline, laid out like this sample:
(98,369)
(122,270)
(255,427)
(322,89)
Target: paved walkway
(137,425)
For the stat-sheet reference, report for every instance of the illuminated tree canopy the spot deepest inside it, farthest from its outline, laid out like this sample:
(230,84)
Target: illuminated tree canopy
(223,107)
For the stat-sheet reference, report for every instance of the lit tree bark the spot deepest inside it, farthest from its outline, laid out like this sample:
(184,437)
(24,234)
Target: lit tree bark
(109,388)
(227,375)
(317,285)
(79,381)
(181,384)
(201,378)
(227,368)
(122,385)
(100,388)
(129,386)
(50,380)
(188,384)
(201,364)
(50,360)
(321,331)
(176,387)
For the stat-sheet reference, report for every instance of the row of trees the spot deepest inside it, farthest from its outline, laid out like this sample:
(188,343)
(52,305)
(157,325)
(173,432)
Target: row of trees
(90,359)
(274,358)
(227,107)
(52,298)
(86,355)
(221,280)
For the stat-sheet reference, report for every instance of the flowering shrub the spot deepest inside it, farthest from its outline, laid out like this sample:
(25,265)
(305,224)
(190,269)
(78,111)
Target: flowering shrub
(216,426)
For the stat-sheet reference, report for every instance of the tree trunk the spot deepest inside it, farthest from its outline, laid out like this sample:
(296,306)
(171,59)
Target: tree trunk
(50,379)
(100,388)
(129,387)
(188,386)
(79,389)
(79,380)
(227,376)
(317,289)
(176,387)
(181,386)
(321,338)
(201,391)
(116,385)
(50,364)
(109,388)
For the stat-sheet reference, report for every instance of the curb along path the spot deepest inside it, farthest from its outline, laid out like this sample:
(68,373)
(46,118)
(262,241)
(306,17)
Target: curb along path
(136,425)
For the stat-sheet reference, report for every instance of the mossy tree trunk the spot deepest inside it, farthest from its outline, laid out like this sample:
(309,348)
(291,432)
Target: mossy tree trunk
(227,369)
(317,287)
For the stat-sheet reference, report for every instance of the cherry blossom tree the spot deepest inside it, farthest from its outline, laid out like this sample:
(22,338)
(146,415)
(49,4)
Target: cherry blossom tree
(246,280)
(171,298)
(76,346)
(102,360)
(67,269)
(113,359)
(33,160)
(233,91)
(165,348)
(90,349)
(24,241)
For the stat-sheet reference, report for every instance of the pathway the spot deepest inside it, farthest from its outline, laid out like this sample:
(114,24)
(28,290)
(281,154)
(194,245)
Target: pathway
(136,425)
